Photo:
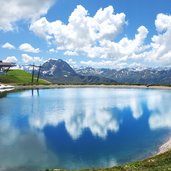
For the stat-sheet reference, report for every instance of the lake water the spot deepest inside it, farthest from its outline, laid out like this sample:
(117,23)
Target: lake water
(75,128)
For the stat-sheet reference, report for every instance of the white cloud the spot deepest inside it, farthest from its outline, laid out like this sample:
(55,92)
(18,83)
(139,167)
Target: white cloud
(125,48)
(82,33)
(71,53)
(26,47)
(108,64)
(127,52)
(94,37)
(8,46)
(161,49)
(16,10)
(162,22)
(52,50)
(72,63)
(43,28)
(37,59)
(28,59)
(11,59)
(99,64)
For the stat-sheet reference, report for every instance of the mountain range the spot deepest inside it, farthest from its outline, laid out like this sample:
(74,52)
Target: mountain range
(59,71)
(131,75)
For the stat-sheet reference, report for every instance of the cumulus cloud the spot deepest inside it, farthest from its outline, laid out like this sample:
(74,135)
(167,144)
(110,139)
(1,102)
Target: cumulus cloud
(82,33)
(16,10)
(92,36)
(124,49)
(71,53)
(118,64)
(26,47)
(161,50)
(8,46)
(28,59)
(98,64)
(52,50)
(72,62)
(37,59)
(11,59)
(95,37)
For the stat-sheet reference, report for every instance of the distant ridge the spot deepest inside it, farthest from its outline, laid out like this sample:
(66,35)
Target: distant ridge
(59,71)
(131,75)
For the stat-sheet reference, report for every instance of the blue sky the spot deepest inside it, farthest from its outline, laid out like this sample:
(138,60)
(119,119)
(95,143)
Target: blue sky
(98,33)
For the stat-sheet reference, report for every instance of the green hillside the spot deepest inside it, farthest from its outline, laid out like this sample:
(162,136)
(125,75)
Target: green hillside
(20,77)
(160,162)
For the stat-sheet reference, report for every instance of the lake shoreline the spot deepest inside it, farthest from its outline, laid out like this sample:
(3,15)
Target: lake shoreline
(89,86)
(84,86)
(165,147)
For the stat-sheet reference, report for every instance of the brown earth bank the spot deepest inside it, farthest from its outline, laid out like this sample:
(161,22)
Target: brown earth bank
(91,86)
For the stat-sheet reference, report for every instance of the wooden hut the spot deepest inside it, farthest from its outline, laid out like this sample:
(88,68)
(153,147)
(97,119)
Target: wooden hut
(5,66)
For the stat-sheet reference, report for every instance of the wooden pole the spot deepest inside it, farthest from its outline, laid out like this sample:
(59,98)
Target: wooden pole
(38,74)
(8,69)
(32,74)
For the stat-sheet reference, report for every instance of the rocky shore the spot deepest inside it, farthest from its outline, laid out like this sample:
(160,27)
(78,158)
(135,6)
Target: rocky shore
(89,86)
(165,147)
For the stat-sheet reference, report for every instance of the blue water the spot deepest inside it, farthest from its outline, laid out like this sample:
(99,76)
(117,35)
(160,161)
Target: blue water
(74,128)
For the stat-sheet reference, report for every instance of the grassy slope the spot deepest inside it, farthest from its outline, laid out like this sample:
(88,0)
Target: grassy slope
(160,162)
(19,77)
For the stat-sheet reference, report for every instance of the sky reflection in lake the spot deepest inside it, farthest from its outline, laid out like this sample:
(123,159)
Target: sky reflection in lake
(80,128)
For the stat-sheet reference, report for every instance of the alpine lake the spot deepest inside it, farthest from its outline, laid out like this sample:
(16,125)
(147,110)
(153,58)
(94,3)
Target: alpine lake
(76,128)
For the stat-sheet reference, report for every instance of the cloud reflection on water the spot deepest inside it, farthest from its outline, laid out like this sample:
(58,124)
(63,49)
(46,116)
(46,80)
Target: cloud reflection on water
(78,114)
(159,106)
(21,149)
(96,110)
